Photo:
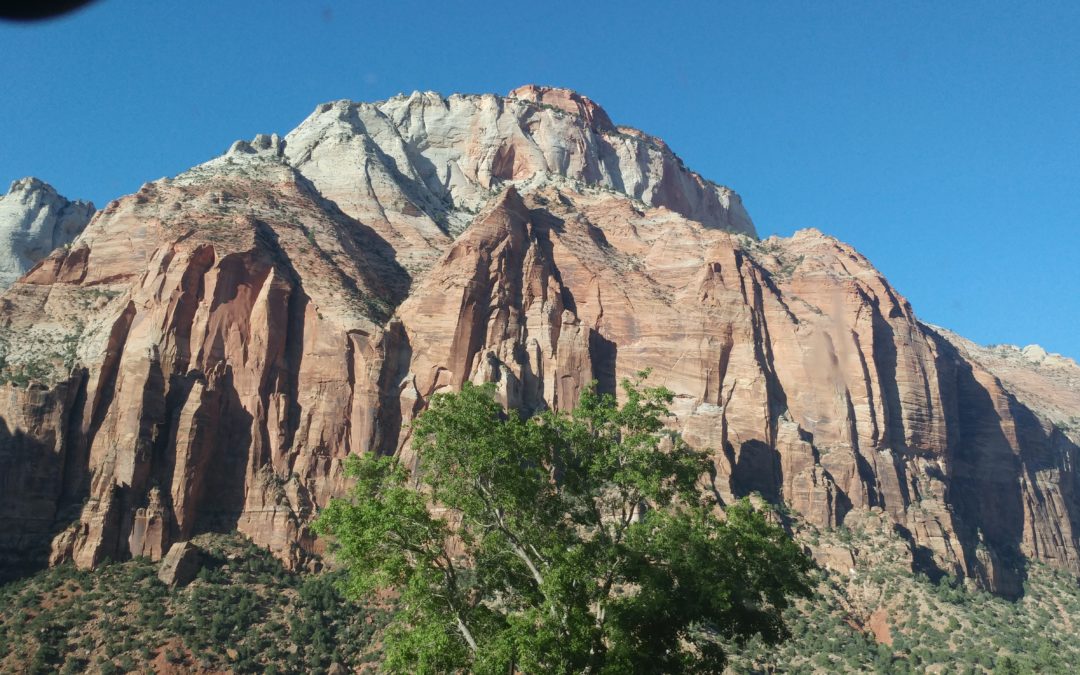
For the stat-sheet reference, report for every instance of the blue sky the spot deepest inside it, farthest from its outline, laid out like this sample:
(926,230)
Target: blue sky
(941,141)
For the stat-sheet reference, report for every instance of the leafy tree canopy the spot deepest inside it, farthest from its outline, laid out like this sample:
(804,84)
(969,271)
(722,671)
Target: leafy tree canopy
(567,542)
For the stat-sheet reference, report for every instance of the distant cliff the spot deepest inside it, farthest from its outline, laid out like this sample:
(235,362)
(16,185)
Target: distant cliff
(34,220)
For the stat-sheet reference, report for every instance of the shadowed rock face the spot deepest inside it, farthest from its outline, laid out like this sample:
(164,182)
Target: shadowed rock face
(214,346)
(34,220)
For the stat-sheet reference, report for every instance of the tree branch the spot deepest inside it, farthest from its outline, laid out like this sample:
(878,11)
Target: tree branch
(515,543)
(465,633)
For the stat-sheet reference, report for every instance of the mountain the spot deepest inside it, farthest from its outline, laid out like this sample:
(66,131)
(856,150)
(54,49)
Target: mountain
(210,349)
(34,220)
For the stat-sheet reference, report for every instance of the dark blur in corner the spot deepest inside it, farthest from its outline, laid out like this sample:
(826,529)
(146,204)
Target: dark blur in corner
(38,10)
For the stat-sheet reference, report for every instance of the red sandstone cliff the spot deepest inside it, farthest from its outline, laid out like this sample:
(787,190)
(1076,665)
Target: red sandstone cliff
(212,347)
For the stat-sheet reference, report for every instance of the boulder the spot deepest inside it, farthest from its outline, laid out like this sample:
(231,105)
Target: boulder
(180,565)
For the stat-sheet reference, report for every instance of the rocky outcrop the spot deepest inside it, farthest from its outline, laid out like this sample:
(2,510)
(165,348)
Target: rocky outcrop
(34,220)
(247,325)
(211,386)
(180,565)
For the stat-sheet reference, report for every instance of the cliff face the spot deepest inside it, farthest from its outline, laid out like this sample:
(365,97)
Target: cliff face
(418,168)
(35,219)
(793,359)
(211,348)
(1047,383)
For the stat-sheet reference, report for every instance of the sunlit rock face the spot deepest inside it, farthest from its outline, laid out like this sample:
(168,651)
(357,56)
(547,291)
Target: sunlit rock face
(417,168)
(211,348)
(34,220)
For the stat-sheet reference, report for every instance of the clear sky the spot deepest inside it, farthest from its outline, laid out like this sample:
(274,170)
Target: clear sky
(940,139)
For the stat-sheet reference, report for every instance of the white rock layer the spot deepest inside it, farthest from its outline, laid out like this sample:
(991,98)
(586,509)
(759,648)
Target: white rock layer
(417,168)
(34,220)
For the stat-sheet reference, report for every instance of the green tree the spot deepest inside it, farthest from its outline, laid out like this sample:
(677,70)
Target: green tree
(569,543)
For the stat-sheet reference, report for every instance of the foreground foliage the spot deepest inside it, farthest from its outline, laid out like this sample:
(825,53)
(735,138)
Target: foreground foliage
(563,543)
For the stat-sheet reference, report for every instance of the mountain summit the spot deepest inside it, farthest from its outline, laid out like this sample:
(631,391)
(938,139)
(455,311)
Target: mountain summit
(210,349)
(34,220)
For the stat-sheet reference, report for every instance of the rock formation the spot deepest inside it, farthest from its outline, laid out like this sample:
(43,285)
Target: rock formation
(417,168)
(180,565)
(245,326)
(1048,384)
(34,220)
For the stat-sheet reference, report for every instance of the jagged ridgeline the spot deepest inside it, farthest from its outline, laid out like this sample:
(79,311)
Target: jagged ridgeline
(206,353)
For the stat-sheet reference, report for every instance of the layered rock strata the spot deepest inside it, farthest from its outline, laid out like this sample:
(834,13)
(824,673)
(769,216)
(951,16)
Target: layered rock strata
(246,326)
